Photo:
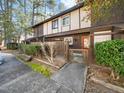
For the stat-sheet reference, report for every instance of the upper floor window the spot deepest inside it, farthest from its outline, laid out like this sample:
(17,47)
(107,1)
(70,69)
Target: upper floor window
(55,24)
(66,21)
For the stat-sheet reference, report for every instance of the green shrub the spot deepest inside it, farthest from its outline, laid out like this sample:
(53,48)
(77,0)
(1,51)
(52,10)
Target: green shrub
(30,49)
(111,53)
(12,46)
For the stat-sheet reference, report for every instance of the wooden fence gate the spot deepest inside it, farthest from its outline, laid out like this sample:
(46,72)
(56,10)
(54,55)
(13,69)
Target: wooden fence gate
(62,49)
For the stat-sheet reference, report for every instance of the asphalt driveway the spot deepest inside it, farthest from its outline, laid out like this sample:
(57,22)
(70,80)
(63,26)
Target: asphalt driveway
(15,77)
(11,69)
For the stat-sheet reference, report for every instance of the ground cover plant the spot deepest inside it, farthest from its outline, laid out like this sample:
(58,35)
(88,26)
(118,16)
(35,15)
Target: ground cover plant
(39,68)
(36,67)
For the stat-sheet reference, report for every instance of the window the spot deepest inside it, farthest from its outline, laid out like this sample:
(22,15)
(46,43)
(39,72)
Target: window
(66,21)
(55,24)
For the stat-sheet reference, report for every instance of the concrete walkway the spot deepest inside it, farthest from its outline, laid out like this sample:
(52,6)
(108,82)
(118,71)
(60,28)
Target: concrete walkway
(73,76)
(15,77)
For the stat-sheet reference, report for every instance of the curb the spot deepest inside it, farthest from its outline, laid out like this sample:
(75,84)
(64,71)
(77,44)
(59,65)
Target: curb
(85,79)
(43,62)
(108,85)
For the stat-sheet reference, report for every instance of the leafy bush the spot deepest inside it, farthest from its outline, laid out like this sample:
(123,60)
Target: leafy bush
(12,46)
(30,49)
(111,53)
(36,50)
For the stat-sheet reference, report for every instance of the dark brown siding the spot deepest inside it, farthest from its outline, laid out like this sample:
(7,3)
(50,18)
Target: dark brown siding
(77,40)
(35,32)
(122,35)
(119,35)
(38,31)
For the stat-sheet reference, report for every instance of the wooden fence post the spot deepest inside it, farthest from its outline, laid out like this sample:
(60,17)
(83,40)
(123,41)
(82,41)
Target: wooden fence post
(66,50)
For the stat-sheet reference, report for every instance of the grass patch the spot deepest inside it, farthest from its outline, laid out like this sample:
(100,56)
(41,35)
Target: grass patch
(40,69)
(37,67)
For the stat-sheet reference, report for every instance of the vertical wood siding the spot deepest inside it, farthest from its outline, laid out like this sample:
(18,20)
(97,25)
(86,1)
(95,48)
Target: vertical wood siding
(45,27)
(75,19)
(38,31)
(85,22)
(49,27)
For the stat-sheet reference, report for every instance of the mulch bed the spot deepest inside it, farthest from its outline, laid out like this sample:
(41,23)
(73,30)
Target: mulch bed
(92,87)
(102,73)
(58,60)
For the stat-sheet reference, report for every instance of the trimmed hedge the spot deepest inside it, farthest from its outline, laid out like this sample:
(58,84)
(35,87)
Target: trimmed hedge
(111,53)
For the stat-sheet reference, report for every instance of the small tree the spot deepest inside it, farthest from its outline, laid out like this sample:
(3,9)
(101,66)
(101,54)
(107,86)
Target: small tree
(48,50)
(101,9)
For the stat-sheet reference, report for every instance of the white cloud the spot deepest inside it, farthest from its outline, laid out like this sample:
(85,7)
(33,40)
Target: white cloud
(68,3)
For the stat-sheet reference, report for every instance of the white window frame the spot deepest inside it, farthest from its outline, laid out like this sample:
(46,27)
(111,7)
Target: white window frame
(66,19)
(55,24)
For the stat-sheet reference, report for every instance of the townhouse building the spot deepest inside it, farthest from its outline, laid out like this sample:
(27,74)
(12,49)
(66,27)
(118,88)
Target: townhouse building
(82,33)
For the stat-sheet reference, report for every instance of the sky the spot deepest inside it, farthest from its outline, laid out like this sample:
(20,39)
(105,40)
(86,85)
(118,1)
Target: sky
(68,3)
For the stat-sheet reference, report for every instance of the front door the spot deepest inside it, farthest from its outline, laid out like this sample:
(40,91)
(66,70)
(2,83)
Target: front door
(86,41)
